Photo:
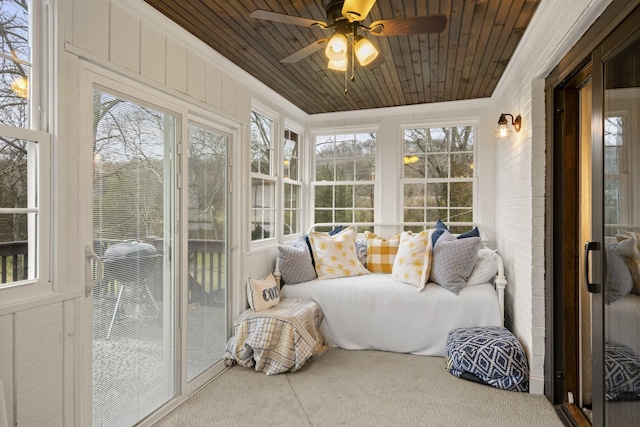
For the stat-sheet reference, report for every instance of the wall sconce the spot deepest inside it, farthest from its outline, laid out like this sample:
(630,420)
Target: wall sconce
(503,131)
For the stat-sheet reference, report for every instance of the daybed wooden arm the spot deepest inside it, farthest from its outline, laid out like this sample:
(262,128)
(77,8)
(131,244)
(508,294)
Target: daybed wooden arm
(276,274)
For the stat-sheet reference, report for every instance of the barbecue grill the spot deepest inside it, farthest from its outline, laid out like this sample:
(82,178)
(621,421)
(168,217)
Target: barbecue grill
(130,263)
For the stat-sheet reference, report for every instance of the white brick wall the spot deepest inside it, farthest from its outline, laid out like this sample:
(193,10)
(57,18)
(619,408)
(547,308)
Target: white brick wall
(520,176)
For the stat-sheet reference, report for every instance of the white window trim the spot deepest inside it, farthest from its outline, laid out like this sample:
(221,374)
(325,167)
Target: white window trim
(430,123)
(276,170)
(302,167)
(41,284)
(337,130)
(40,116)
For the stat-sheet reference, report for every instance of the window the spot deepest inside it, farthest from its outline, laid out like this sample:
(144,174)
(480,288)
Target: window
(263,178)
(345,172)
(292,181)
(16,64)
(438,175)
(616,179)
(24,150)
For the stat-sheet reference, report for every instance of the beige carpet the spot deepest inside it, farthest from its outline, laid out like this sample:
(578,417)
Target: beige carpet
(359,388)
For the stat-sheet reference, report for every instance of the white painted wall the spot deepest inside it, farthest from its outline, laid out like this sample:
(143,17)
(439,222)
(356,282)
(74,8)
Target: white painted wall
(43,351)
(520,180)
(41,356)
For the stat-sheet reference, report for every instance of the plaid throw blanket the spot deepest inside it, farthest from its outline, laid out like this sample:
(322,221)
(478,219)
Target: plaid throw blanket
(279,339)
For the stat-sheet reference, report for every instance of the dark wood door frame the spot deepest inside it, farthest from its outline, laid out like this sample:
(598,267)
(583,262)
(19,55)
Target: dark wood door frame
(562,202)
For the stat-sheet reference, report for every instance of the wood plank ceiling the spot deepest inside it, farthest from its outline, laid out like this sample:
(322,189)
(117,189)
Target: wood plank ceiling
(465,61)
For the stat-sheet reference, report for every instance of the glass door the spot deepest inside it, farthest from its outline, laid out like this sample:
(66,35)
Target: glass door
(133,234)
(621,225)
(207,254)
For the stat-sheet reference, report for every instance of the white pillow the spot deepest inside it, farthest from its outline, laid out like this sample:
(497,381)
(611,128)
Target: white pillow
(485,269)
(263,293)
(629,248)
(336,255)
(412,263)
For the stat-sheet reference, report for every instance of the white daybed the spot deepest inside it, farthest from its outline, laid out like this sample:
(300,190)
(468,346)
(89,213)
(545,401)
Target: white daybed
(374,311)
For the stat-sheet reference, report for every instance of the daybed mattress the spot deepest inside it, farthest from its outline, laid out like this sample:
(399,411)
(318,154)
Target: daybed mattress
(376,312)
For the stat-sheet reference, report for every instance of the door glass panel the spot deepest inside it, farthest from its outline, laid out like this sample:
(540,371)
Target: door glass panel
(207,275)
(133,328)
(622,237)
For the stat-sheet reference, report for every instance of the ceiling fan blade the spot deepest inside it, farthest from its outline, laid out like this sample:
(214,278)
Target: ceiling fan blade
(304,52)
(286,19)
(402,26)
(357,10)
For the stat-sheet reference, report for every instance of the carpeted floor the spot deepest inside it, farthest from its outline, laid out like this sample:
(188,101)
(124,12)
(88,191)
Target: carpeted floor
(359,388)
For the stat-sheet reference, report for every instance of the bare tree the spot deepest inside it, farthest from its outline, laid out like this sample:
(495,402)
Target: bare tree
(14,69)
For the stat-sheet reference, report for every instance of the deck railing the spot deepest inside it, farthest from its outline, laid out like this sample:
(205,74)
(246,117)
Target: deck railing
(14,262)
(206,260)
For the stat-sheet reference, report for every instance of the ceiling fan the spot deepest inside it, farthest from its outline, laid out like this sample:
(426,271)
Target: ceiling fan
(345,18)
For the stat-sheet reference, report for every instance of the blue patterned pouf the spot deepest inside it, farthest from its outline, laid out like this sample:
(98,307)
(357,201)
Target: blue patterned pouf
(489,354)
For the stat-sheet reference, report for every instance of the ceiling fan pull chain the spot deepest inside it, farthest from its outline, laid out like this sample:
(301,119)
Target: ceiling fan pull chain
(346,80)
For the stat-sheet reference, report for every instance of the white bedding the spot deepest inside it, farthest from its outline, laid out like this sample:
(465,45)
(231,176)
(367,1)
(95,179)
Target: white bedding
(376,312)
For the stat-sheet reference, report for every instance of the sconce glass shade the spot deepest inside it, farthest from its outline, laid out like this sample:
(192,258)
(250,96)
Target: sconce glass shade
(366,52)
(503,131)
(20,86)
(340,65)
(336,49)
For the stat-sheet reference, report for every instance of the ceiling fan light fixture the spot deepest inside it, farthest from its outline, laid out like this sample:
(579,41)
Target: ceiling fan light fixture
(366,52)
(357,10)
(338,65)
(336,49)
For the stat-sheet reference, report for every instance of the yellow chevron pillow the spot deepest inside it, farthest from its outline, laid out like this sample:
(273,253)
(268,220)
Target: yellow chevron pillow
(412,264)
(381,252)
(336,255)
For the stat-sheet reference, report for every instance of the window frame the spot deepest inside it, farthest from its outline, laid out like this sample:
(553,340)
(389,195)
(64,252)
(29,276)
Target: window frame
(354,183)
(272,177)
(39,176)
(625,109)
(402,181)
(42,228)
(286,180)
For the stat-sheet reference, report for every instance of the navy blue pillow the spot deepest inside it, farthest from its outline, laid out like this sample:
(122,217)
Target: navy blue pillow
(331,233)
(441,228)
(472,233)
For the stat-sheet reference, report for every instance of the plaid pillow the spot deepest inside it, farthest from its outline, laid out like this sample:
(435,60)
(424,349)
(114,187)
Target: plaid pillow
(381,252)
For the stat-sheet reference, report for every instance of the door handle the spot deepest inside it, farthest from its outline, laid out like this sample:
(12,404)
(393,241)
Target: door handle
(89,281)
(594,288)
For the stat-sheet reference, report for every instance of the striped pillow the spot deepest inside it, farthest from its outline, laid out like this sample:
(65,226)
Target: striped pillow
(381,252)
